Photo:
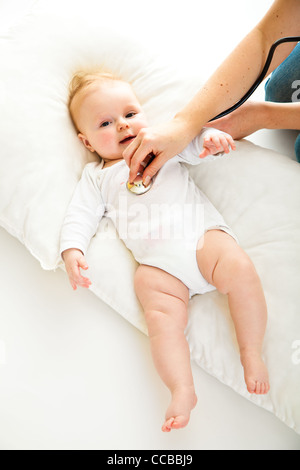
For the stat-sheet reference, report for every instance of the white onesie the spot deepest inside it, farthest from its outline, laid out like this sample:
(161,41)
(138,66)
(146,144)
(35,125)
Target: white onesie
(161,227)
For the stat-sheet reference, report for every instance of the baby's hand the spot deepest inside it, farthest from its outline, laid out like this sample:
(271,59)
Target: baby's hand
(74,261)
(216,142)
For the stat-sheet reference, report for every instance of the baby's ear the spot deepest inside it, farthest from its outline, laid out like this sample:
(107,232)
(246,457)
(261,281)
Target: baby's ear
(85,142)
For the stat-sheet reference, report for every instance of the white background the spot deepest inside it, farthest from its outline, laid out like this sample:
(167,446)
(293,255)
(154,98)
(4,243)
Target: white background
(73,373)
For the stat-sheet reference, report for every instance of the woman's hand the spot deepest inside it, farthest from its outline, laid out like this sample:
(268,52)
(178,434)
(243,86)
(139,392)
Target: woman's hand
(163,141)
(245,120)
(74,261)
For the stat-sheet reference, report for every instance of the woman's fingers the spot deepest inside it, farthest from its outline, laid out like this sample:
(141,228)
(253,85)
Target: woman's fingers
(163,142)
(137,159)
(134,155)
(131,149)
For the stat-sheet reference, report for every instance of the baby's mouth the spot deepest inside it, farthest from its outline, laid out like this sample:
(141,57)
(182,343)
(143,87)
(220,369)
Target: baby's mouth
(127,139)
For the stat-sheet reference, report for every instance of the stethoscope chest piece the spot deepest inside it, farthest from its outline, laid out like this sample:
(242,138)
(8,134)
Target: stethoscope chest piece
(137,186)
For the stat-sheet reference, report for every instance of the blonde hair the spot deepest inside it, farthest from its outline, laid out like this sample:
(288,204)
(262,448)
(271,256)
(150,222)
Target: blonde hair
(82,80)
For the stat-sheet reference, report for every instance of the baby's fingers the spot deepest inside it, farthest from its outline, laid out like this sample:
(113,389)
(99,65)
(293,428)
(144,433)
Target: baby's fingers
(82,263)
(227,142)
(80,281)
(76,278)
(231,142)
(205,152)
(84,282)
(73,284)
(217,142)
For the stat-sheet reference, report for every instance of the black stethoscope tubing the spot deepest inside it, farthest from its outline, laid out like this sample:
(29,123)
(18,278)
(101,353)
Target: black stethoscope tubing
(261,76)
(138,188)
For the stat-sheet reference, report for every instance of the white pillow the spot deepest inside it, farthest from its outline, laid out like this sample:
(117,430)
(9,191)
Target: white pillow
(257,190)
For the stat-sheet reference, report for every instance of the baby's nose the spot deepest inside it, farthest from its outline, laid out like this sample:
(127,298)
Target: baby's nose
(122,123)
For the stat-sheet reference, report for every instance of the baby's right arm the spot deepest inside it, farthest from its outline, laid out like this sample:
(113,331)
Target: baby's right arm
(74,261)
(80,224)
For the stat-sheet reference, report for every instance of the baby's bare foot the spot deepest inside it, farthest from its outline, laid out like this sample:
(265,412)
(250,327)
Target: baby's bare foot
(178,413)
(255,372)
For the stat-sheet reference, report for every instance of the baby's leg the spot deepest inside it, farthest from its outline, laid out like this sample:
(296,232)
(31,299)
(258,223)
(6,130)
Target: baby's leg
(164,299)
(225,265)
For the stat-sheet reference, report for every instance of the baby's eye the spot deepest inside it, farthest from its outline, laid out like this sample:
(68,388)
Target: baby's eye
(131,114)
(105,124)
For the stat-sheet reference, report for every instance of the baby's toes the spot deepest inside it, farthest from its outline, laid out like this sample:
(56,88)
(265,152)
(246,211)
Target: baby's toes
(251,386)
(180,422)
(264,388)
(167,426)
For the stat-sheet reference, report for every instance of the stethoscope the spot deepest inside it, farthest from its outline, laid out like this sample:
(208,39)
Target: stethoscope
(137,186)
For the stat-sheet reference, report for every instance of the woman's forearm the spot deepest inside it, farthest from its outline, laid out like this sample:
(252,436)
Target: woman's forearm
(242,67)
(227,84)
(281,115)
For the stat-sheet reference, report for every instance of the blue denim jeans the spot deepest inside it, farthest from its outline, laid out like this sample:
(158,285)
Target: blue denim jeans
(284,85)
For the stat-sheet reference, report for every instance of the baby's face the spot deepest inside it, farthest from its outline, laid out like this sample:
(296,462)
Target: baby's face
(109,117)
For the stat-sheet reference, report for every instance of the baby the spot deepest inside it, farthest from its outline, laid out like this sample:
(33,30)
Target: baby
(182,244)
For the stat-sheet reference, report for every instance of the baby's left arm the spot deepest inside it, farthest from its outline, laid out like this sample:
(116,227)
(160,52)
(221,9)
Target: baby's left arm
(215,141)
(210,141)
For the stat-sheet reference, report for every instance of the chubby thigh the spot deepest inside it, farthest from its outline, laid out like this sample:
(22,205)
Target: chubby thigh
(217,249)
(160,292)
